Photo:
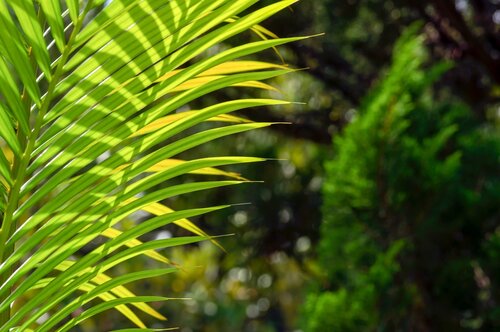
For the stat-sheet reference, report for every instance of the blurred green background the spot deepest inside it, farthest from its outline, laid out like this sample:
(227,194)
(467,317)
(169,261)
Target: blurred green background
(379,209)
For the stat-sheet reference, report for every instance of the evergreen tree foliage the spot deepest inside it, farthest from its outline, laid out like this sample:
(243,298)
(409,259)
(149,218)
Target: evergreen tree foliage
(410,237)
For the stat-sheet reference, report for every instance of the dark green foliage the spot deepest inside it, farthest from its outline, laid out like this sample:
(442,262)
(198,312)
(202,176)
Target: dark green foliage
(410,239)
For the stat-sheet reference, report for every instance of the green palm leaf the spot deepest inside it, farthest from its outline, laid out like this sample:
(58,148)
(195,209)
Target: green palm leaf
(88,125)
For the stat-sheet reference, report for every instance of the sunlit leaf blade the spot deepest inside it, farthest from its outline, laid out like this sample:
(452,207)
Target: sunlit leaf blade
(109,305)
(3,195)
(115,286)
(112,233)
(240,66)
(159,209)
(161,122)
(7,131)
(74,8)
(9,90)
(53,14)
(14,51)
(200,81)
(167,163)
(27,17)
(5,168)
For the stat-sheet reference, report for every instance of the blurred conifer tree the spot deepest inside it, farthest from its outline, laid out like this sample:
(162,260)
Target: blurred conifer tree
(410,237)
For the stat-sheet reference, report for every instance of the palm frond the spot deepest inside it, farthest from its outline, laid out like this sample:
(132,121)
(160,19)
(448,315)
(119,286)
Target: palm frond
(90,129)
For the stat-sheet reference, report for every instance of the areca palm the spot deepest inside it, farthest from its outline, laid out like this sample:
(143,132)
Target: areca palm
(90,94)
